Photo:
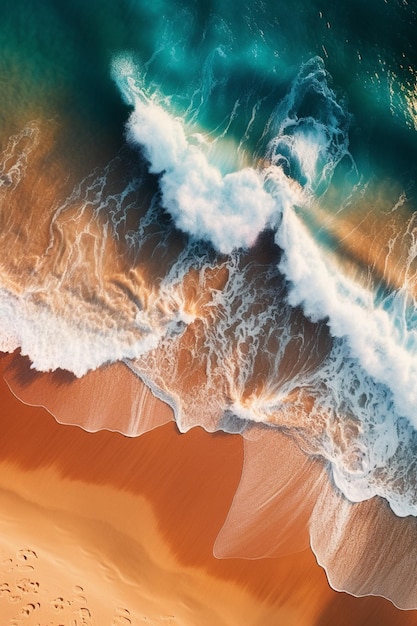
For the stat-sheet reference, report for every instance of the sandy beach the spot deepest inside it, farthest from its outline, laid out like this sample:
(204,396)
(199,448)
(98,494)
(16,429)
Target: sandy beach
(103,529)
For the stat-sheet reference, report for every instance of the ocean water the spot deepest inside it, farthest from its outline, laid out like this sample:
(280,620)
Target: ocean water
(222,197)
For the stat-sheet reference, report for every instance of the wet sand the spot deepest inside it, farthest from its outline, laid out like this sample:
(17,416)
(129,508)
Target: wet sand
(99,528)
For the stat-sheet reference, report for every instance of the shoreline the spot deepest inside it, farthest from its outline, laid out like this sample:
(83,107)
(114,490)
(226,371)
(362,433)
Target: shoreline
(145,512)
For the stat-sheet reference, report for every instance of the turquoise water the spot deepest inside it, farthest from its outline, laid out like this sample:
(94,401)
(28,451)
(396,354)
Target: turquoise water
(229,209)
(206,57)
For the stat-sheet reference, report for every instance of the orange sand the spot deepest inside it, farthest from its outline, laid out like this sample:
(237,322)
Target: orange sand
(108,530)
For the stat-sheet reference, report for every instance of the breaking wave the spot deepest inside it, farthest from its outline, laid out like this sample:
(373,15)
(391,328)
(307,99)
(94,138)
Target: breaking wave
(224,292)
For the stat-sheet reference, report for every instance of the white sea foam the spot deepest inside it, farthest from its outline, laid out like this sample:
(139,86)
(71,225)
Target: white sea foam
(66,307)
(228,210)
(308,129)
(378,338)
(57,341)
(371,373)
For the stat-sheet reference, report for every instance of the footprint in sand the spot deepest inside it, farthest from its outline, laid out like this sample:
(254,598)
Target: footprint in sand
(58,604)
(7,565)
(84,612)
(14,599)
(80,599)
(121,617)
(83,617)
(79,594)
(27,586)
(4,589)
(29,608)
(26,557)
(27,554)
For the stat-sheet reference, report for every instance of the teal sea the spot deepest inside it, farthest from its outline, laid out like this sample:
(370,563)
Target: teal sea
(222,197)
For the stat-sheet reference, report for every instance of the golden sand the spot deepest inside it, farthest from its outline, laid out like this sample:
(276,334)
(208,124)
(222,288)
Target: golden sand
(98,528)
